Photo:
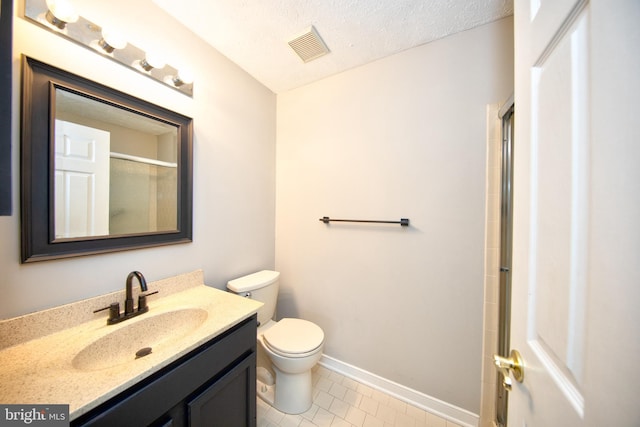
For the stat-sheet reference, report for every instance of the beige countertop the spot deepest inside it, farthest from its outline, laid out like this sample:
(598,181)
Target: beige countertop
(75,365)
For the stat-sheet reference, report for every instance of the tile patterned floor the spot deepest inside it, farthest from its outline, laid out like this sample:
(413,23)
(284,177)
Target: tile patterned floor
(342,402)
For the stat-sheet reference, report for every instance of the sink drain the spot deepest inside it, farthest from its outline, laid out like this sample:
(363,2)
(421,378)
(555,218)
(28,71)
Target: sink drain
(143,352)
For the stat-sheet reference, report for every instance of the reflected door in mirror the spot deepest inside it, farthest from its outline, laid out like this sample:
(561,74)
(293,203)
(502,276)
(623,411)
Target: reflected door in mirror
(81,180)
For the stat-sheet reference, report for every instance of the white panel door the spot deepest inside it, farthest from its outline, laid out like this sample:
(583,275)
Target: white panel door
(574,327)
(81,180)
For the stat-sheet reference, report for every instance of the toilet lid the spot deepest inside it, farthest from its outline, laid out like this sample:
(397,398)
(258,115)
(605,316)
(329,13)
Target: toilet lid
(294,336)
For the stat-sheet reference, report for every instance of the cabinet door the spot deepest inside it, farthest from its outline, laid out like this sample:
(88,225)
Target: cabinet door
(230,401)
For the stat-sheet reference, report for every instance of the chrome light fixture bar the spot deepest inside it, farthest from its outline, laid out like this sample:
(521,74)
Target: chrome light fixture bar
(59,17)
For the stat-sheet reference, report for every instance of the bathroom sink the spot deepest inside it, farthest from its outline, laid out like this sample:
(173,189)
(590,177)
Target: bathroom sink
(143,336)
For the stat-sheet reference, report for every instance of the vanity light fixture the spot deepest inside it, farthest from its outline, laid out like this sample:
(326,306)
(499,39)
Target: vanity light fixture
(111,40)
(60,17)
(60,13)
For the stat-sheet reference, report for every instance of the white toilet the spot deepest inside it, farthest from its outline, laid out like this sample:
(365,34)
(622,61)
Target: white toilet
(289,348)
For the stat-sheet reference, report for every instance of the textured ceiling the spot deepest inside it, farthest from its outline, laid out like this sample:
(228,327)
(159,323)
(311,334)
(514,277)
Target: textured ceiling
(254,33)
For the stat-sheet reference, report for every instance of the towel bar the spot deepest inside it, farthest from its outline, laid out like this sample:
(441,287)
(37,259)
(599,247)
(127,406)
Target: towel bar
(404,222)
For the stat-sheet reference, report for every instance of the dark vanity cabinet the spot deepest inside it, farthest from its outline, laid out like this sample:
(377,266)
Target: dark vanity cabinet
(214,385)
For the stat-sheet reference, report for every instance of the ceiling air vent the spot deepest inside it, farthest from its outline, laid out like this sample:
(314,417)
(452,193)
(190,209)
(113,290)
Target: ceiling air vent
(309,45)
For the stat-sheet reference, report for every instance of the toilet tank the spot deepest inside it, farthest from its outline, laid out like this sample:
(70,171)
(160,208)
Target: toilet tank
(261,286)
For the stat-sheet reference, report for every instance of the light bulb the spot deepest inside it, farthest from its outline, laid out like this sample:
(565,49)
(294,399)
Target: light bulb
(152,60)
(60,13)
(111,40)
(184,77)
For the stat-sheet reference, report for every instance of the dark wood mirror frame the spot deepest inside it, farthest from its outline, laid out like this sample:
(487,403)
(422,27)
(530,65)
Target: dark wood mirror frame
(39,81)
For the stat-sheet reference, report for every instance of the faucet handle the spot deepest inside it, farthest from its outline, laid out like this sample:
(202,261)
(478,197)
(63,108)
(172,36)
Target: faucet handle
(142,300)
(114,311)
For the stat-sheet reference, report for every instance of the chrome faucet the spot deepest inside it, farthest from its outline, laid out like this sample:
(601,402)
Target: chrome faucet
(129,311)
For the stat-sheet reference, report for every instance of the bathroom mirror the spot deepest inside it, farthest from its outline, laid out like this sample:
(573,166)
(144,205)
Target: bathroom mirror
(102,171)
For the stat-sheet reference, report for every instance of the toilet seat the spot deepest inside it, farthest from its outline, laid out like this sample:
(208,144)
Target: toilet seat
(293,338)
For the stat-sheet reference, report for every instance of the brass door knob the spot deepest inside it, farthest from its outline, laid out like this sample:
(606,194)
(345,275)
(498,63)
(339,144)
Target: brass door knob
(512,364)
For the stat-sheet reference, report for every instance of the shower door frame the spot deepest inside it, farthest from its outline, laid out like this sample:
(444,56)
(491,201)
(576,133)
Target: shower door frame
(506,114)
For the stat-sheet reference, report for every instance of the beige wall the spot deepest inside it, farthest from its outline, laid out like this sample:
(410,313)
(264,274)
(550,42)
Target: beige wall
(234,163)
(401,137)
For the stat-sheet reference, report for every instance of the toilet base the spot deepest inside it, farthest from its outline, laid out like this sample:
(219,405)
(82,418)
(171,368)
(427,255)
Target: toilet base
(293,392)
(295,400)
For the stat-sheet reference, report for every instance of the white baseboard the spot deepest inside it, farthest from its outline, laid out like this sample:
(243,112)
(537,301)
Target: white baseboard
(430,404)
